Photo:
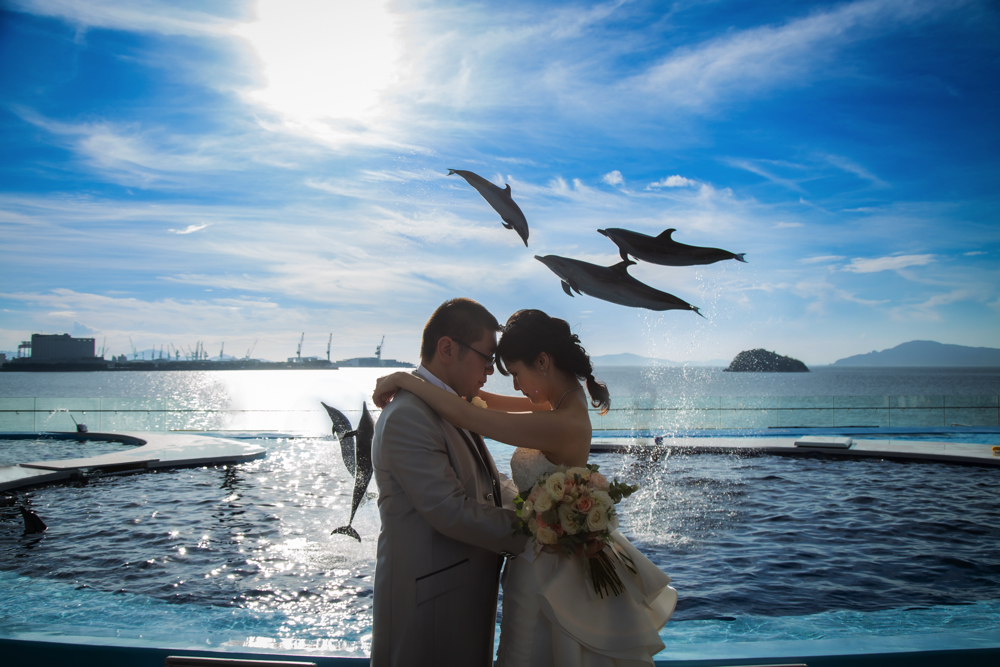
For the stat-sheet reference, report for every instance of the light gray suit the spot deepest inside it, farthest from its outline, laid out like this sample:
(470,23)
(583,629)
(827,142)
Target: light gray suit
(439,549)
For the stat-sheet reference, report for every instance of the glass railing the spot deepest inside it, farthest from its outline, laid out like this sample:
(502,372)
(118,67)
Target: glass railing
(664,413)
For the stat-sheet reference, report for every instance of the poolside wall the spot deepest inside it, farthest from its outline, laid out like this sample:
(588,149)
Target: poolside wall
(45,654)
(665,413)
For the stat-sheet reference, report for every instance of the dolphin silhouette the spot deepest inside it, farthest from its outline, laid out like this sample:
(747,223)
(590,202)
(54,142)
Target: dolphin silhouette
(32,522)
(500,200)
(611,283)
(342,431)
(664,250)
(358,443)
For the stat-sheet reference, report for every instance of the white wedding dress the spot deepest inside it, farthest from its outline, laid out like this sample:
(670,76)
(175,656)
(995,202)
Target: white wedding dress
(552,616)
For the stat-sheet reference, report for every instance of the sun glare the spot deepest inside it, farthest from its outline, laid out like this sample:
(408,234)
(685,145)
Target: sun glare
(322,60)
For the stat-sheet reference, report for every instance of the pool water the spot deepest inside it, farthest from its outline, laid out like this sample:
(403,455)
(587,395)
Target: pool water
(760,548)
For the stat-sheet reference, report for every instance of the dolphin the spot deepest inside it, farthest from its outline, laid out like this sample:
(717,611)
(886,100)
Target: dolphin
(360,460)
(611,283)
(32,522)
(341,431)
(664,250)
(500,200)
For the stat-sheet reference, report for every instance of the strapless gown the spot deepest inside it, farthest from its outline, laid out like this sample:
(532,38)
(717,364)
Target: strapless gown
(552,616)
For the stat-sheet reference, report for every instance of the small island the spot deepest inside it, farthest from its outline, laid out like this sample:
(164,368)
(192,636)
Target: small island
(762,361)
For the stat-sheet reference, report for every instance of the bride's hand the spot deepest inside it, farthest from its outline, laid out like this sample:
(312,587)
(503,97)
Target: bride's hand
(385,388)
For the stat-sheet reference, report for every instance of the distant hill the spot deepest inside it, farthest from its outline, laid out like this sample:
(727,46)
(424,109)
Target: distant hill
(926,353)
(763,361)
(629,359)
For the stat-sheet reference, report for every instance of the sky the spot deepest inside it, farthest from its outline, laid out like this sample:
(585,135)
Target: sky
(242,173)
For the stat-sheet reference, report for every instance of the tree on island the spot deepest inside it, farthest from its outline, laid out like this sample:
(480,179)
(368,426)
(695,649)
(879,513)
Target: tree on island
(762,361)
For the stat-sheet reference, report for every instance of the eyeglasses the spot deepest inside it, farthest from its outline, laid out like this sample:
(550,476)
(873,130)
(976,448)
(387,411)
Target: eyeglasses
(490,359)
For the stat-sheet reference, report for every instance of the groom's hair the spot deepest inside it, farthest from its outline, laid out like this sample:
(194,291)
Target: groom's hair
(462,319)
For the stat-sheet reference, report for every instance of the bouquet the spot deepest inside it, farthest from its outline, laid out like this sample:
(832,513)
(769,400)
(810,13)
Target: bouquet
(570,507)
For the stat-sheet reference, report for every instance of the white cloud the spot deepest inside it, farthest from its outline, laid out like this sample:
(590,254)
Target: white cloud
(675,181)
(822,258)
(760,59)
(893,263)
(755,168)
(974,253)
(166,18)
(788,225)
(852,167)
(613,178)
(189,229)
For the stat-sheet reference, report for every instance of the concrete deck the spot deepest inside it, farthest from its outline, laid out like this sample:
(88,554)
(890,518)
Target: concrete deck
(899,450)
(150,451)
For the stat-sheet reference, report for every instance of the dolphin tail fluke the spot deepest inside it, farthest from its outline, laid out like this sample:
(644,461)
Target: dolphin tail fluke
(565,286)
(347,530)
(739,257)
(698,311)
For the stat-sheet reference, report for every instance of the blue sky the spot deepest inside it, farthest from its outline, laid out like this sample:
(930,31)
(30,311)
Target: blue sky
(232,172)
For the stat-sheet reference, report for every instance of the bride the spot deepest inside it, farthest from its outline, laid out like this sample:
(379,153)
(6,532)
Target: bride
(551,614)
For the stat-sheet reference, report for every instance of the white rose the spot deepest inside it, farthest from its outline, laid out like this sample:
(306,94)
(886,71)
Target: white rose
(567,520)
(603,499)
(478,402)
(544,503)
(556,485)
(597,519)
(546,535)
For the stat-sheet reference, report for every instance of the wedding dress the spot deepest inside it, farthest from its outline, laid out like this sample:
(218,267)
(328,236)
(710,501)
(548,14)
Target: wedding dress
(552,616)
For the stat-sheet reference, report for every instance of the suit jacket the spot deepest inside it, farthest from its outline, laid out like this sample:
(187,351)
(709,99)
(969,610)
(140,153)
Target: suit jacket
(439,548)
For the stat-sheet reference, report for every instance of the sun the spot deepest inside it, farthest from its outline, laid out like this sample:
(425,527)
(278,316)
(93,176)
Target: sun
(323,60)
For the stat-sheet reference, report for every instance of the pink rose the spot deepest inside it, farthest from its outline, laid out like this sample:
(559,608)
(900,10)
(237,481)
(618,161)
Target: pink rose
(599,481)
(583,504)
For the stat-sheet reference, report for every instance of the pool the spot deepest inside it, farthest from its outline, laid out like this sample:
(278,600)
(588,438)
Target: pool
(764,550)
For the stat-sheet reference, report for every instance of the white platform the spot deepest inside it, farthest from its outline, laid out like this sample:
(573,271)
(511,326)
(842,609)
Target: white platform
(157,450)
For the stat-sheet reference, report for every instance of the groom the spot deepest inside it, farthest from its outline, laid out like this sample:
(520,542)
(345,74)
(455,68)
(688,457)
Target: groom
(446,512)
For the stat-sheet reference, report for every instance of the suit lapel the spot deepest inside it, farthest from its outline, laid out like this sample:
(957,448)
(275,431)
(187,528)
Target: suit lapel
(478,445)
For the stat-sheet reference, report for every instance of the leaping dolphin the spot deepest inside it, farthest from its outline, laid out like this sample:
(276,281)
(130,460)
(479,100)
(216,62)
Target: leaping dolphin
(664,250)
(356,448)
(342,431)
(611,283)
(500,200)
(32,522)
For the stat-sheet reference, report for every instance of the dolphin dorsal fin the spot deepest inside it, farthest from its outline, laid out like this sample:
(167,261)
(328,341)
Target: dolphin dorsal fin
(622,267)
(506,190)
(665,236)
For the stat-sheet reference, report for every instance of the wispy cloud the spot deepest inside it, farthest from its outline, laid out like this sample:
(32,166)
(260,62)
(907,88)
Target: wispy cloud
(165,18)
(190,229)
(892,263)
(852,167)
(757,60)
(788,225)
(755,168)
(822,259)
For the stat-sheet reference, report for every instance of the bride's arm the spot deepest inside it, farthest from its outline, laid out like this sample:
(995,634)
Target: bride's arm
(558,434)
(511,403)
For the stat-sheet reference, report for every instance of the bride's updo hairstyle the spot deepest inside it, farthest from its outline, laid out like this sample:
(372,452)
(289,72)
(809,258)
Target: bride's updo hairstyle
(530,332)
